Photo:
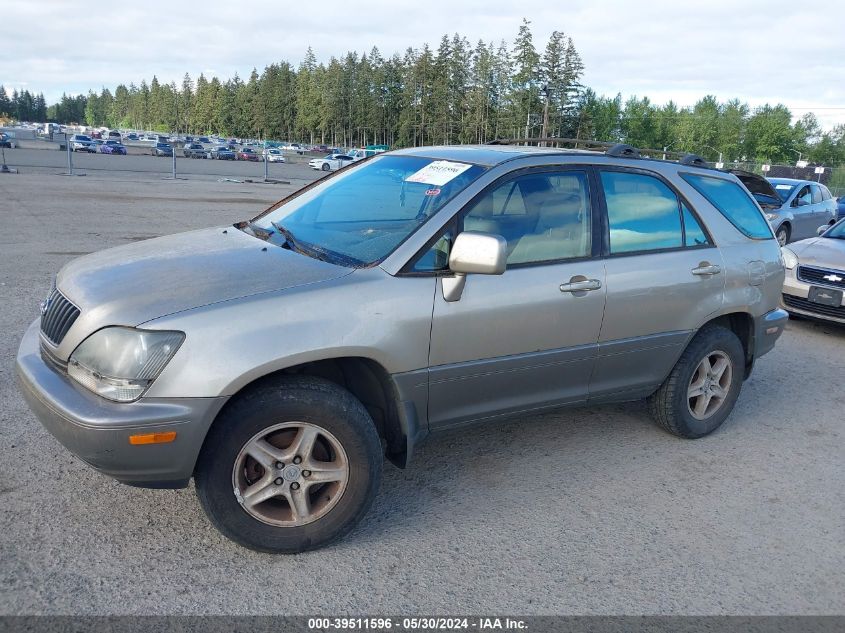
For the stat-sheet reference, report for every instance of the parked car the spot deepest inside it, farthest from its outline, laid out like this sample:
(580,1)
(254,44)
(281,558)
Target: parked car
(476,283)
(131,137)
(794,208)
(247,153)
(203,139)
(112,135)
(223,152)
(331,162)
(80,142)
(113,147)
(7,141)
(275,155)
(162,149)
(815,275)
(96,144)
(840,208)
(194,150)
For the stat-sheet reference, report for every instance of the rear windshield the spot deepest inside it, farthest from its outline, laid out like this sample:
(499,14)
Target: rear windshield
(733,201)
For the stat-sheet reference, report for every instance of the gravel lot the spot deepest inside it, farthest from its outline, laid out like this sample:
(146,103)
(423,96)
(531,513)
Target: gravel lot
(591,511)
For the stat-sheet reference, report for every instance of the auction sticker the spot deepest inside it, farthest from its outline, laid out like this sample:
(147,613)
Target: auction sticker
(438,172)
(432,192)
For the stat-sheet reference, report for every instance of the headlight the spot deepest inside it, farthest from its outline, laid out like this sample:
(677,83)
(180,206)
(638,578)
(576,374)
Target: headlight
(120,363)
(771,216)
(790,260)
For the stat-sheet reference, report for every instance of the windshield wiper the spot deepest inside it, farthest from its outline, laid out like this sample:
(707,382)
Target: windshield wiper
(290,240)
(312,250)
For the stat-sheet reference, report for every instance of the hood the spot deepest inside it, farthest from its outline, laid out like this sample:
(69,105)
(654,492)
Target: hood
(131,284)
(758,185)
(823,252)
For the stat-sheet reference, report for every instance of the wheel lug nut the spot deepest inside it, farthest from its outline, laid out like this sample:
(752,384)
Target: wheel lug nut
(279,465)
(306,473)
(294,486)
(297,459)
(279,481)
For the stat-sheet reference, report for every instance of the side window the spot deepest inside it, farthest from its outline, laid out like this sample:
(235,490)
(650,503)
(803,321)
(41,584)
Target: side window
(817,194)
(805,194)
(694,235)
(543,216)
(734,202)
(825,193)
(643,213)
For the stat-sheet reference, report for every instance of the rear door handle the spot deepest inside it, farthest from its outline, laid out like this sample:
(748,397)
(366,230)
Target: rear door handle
(707,270)
(578,286)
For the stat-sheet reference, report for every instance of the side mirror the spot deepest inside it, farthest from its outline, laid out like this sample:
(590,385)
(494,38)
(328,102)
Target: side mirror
(822,228)
(474,252)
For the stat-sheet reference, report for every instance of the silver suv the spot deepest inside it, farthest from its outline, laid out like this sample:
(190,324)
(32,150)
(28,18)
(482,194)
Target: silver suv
(278,360)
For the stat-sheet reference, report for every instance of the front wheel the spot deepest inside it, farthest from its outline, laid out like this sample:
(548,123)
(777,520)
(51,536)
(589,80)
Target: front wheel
(782,235)
(325,167)
(703,387)
(290,467)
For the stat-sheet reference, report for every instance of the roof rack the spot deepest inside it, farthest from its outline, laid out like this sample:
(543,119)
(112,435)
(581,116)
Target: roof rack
(617,150)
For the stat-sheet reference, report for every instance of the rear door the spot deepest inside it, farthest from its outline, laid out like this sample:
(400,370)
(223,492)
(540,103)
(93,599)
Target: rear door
(664,277)
(804,213)
(526,339)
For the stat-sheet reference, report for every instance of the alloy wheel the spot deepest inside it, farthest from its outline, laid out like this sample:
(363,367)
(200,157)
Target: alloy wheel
(710,384)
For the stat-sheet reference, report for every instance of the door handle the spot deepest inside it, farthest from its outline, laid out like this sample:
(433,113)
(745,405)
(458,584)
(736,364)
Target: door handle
(705,270)
(579,286)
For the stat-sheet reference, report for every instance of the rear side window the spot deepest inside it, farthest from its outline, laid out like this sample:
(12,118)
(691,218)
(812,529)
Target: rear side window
(734,203)
(642,211)
(825,193)
(694,235)
(817,194)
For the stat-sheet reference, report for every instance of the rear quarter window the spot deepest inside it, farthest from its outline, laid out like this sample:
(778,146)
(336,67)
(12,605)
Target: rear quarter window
(733,202)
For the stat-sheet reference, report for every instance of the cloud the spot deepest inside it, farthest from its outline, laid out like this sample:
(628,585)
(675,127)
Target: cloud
(775,51)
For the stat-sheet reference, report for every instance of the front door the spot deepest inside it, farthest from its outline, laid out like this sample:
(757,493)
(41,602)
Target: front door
(526,339)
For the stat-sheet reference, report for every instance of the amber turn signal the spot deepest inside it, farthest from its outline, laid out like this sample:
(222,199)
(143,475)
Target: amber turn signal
(153,438)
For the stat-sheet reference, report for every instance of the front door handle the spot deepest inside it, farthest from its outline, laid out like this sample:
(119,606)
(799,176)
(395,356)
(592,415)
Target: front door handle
(705,270)
(579,286)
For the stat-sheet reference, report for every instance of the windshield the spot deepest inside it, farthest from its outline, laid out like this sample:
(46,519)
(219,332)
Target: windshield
(366,212)
(837,231)
(784,190)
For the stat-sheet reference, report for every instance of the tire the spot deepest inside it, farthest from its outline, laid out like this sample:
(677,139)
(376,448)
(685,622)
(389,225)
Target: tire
(671,405)
(782,234)
(325,167)
(224,468)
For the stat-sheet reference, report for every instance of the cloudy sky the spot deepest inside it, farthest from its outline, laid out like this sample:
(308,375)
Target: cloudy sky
(759,51)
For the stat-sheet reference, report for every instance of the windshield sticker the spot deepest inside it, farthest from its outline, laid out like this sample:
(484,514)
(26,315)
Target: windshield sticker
(432,192)
(438,172)
(783,186)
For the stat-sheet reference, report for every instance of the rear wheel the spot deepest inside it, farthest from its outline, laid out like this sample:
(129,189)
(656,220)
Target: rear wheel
(325,167)
(703,387)
(290,467)
(782,234)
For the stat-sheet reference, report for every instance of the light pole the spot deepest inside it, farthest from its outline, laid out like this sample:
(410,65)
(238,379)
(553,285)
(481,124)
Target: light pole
(666,149)
(795,151)
(715,150)
(545,92)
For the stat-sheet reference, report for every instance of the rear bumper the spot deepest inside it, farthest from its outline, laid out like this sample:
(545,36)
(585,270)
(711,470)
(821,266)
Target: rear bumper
(767,330)
(97,430)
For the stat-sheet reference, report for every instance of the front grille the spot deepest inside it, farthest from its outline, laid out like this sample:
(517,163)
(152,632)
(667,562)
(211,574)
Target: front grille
(817,308)
(813,275)
(58,317)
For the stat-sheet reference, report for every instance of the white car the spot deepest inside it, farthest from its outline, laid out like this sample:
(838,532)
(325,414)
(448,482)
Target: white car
(331,162)
(275,156)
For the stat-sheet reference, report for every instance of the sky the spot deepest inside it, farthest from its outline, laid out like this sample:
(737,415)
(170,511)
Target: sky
(758,51)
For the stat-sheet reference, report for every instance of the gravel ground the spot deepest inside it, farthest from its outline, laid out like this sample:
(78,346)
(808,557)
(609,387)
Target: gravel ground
(589,511)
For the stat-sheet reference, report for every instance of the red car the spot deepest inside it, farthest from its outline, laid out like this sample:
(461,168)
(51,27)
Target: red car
(247,153)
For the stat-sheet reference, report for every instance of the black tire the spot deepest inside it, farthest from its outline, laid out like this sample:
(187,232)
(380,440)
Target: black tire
(783,233)
(326,167)
(303,399)
(669,405)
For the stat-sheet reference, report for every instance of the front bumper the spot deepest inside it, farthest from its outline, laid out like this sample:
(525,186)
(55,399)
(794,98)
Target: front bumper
(97,430)
(795,300)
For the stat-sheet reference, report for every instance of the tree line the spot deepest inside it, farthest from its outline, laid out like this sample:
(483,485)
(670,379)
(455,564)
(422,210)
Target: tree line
(456,93)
